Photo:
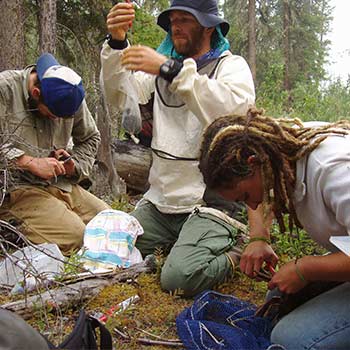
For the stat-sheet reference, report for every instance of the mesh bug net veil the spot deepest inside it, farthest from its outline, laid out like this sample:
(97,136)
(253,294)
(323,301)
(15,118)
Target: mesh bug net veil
(222,322)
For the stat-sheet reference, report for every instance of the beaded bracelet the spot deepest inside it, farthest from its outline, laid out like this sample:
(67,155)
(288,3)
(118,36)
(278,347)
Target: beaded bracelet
(297,270)
(264,239)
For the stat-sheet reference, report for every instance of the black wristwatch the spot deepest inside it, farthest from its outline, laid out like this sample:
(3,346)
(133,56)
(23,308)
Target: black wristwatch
(170,69)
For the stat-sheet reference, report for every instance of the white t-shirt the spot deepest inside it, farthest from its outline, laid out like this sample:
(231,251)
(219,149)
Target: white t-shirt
(322,192)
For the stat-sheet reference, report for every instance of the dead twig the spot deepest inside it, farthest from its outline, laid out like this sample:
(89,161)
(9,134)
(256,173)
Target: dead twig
(145,341)
(157,336)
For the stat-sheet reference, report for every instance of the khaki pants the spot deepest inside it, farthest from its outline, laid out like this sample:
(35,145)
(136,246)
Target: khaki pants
(48,214)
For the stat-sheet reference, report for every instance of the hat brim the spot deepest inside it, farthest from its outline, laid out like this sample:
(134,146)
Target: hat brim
(205,19)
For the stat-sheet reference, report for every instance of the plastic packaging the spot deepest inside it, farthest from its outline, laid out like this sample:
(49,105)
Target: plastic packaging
(117,309)
(131,117)
(32,264)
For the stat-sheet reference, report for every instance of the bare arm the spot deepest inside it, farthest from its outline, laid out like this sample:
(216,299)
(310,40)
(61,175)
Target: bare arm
(259,251)
(332,267)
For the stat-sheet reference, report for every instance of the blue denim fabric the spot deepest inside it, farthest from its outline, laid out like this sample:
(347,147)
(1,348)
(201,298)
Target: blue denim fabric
(321,323)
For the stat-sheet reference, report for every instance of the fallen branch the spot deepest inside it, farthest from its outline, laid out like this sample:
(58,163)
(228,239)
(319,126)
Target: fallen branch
(77,293)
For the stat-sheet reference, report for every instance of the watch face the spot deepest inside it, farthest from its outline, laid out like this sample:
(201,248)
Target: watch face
(165,68)
(168,70)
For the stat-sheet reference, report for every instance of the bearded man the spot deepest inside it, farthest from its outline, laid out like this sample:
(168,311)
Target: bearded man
(192,79)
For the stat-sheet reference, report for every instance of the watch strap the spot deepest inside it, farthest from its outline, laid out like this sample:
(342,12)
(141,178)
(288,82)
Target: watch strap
(170,69)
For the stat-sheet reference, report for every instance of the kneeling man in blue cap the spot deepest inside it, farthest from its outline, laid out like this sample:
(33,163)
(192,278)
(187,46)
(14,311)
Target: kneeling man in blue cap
(49,141)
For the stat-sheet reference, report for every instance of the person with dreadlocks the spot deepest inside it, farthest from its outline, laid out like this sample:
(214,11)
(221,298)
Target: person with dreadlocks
(192,79)
(302,170)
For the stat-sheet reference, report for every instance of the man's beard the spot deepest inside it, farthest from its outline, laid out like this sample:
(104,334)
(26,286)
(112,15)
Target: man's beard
(191,45)
(33,106)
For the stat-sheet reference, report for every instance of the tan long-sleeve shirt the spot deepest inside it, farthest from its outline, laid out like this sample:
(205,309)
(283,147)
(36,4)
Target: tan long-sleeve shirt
(24,132)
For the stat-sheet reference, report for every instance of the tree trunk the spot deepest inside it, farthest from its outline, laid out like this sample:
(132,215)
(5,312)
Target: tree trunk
(105,158)
(47,24)
(132,163)
(252,38)
(12,53)
(286,45)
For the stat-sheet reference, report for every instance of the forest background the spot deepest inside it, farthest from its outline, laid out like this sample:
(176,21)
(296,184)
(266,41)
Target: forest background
(285,43)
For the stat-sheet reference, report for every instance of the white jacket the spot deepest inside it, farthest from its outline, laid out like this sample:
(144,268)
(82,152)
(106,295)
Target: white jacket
(181,112)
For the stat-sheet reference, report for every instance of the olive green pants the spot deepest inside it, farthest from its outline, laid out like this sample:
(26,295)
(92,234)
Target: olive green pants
(198,243)
(48,214)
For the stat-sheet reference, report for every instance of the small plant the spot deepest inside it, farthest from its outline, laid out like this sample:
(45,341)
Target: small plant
(123,204)
(160,258)
(72,266)
(294,244)
(177,293)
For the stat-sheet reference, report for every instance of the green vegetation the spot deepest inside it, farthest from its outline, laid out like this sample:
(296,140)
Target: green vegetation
(304,92)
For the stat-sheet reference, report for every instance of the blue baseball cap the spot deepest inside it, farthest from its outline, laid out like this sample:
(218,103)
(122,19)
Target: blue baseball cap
(62,88)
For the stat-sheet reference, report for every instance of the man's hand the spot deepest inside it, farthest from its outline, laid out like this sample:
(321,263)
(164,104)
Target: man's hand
(66,159)
(46,168)
(119,20)
(142,58)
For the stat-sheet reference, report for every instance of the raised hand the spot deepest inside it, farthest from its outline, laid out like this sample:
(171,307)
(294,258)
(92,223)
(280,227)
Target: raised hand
(119,20)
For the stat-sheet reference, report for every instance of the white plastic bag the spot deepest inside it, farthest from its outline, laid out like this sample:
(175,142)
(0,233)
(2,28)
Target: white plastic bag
(23,266)
(131,117)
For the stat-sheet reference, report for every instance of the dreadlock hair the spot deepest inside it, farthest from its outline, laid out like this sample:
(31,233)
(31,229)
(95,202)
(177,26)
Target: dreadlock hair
(277,143)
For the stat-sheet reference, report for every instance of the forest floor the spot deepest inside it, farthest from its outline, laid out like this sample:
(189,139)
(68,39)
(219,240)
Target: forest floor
(152,317)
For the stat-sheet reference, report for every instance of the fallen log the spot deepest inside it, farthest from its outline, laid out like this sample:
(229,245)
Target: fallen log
(76,293)
(132,163)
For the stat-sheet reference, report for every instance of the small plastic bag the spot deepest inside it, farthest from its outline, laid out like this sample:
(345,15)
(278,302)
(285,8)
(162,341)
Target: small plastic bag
(131,117)
(22,268)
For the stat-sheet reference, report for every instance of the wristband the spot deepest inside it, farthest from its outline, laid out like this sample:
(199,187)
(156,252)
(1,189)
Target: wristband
(263,239)
(298,272)
(116,44)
